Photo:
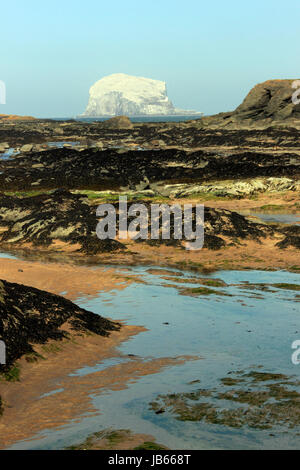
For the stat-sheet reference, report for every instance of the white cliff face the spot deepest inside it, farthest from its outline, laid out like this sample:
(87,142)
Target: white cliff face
(121,94)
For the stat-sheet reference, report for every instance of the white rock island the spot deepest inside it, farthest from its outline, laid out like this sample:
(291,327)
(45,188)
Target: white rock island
(121,94)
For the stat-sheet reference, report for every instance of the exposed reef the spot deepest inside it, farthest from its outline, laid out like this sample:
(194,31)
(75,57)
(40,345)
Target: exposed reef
(114,169)
(65,219)
(30,316)
(46,218)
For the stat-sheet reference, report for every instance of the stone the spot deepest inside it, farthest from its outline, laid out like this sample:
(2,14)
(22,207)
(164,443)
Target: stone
(27,314)
(4,146)
(119,122)
(26,148)
(99,144)
(272,98)
(231,188)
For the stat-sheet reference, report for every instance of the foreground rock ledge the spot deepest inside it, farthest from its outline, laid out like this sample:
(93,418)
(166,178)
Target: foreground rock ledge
(31,316)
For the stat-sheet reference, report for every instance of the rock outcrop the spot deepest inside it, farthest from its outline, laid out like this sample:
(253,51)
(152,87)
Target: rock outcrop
(119,94)
(30,316)
(118,122)
(65,219)
(236,189)
(114,169)
(267,103)
(47,219)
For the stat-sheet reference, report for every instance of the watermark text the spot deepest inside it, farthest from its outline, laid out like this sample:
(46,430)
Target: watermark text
(2,353)
(154,221)
(296,94)
(2,92)
(296,353)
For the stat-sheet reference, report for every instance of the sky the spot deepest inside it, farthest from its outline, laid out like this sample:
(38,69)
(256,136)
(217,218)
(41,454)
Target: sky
(210,53)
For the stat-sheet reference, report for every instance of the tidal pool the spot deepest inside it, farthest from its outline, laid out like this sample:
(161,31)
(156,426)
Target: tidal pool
(275,217)
(11,152)
(251,328)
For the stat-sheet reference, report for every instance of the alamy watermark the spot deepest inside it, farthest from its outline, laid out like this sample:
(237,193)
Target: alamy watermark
(296,94)
(2,353)
(296,354)
(153,222)
(2,92)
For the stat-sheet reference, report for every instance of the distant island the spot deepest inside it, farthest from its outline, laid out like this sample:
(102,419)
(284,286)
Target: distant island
(121,94)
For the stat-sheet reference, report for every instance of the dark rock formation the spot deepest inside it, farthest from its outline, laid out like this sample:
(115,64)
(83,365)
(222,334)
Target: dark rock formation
(271,99)
(292,237)
(118,122)
(265,104)
(111,169)
(68,218)
(61,216)
(29,316)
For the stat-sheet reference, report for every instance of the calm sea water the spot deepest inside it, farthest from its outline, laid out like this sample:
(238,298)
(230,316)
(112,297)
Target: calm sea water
(136,118)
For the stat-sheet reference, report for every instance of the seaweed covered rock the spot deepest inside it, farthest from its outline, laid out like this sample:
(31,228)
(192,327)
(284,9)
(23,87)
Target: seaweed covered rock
(67,222)
(221,227)
(46,219)
(30,316)
(292,237)
(114,169)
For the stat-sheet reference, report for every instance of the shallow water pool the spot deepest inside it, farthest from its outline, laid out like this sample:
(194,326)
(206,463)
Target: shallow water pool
(248,325)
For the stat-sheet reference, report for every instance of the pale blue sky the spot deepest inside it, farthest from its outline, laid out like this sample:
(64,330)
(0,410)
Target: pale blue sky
(210,53)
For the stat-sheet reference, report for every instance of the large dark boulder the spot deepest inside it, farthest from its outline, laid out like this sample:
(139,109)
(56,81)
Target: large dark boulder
(266,104)
(30,316)
(271,99)
(118,122)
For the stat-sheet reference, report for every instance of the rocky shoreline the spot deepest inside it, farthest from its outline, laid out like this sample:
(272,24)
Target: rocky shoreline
(48,196)
(54,174)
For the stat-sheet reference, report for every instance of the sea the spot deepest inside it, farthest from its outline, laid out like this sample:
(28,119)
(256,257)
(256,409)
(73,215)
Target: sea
(133,118)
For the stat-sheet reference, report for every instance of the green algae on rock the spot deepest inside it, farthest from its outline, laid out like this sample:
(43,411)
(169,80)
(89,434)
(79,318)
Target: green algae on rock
(266,400)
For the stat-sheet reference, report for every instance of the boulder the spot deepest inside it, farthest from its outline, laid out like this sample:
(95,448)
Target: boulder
(26,148)
(119,122)
(4,146)
(266,104)
(271,99)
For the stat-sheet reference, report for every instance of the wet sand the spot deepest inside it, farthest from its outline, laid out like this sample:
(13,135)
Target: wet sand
(249,254)
(25,412)
(68,280)
(28,411)
(74,281)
